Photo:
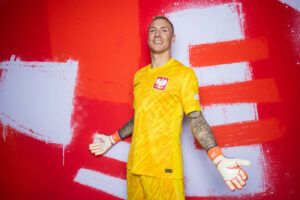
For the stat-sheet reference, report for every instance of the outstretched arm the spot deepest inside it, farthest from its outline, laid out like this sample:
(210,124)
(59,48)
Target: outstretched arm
(201,130)
(233,175)
(106,142)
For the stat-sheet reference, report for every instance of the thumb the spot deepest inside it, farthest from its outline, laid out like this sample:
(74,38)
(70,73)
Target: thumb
(242,162)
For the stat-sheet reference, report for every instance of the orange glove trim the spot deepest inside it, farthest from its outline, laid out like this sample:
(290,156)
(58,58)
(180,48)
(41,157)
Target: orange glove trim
(116,137)
(214,152)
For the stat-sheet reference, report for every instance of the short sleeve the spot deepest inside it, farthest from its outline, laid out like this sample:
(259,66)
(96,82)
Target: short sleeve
(189,92)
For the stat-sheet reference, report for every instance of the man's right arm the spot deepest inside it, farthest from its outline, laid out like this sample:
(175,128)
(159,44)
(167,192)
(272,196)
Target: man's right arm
(127,129)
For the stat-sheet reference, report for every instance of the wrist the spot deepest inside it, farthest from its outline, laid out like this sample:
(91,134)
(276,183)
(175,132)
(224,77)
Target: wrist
(115,137)
(215,154)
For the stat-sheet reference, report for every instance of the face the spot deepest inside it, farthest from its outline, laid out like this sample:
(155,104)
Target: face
(160,36)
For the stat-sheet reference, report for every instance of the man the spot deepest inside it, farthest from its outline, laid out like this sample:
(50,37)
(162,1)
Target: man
(163,91)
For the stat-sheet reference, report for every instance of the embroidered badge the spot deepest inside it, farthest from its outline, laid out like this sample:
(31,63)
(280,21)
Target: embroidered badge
(161,83)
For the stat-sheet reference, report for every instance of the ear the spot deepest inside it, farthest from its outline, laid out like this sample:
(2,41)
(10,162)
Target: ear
(173,38)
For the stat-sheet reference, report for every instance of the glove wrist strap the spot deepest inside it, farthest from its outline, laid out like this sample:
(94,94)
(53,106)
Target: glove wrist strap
(116,137)
(215,154)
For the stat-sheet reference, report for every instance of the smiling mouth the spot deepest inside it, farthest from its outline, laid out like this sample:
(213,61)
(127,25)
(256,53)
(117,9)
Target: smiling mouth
(157,42)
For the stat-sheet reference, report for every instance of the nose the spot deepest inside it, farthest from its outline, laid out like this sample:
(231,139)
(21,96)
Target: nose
(157,33)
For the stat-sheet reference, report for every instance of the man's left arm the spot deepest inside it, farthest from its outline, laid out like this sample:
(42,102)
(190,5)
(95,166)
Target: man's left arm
(233,175)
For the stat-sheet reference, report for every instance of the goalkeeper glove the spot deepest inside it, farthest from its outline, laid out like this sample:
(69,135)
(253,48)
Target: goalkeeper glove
(233,175)
(104,144)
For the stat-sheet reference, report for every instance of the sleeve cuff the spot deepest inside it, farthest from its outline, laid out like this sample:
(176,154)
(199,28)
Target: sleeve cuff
(192,109)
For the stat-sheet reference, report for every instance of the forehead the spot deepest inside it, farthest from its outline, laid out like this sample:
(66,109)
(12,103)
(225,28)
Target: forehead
(158,23)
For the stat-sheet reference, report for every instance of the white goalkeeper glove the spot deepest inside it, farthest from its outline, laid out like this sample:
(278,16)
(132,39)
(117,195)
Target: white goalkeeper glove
(233,175)
(104,144)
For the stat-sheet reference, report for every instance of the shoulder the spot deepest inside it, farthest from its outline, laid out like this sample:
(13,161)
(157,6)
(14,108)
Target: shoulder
(140,72)
(182,69)
(143,69)
(185,75)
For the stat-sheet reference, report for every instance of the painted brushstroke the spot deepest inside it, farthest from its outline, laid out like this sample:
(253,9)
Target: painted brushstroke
(103,182)
(219,114)
(248,132)
(222,74)
(36,98)
(228,52)
(259,91)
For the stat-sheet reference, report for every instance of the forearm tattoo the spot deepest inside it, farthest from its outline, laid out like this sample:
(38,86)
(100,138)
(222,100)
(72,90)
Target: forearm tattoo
(127,129)
(201,130)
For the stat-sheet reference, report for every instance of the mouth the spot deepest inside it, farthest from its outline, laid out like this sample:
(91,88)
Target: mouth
(157,42)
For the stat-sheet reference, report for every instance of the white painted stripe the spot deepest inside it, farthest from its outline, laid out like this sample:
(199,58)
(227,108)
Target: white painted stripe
(223,74)
(119,151)
(293,3)
(111,185)
(203,179)
(36,98)
(220,114)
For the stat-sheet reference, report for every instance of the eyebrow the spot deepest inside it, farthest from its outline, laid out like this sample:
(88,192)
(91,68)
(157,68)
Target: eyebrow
(160,27)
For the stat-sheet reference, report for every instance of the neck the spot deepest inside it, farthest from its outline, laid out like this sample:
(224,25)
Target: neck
(159,59)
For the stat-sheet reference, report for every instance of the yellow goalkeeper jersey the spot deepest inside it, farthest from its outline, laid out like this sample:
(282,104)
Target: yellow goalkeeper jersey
(161,97)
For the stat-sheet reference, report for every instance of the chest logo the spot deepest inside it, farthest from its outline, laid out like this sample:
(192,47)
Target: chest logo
(161,83)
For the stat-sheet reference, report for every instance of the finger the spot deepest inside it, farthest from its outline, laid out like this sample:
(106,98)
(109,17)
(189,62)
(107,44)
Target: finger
(94,147)
(243,174)
(240,180)
(230,185)
(236,184)
(96,150)
(242,162)
(99,153)
(94,144)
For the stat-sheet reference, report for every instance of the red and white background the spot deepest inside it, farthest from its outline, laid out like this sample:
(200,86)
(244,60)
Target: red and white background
(66,72)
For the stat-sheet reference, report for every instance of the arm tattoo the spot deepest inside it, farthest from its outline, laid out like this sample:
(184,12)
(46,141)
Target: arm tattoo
(201,130)
(127,129)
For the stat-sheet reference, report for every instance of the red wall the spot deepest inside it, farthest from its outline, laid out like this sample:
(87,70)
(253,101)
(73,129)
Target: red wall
(108,39)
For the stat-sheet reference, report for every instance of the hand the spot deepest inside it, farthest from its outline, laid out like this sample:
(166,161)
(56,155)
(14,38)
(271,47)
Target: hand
(105,143)
(233,175)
